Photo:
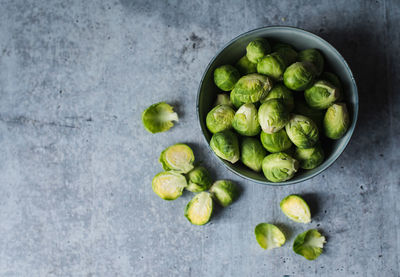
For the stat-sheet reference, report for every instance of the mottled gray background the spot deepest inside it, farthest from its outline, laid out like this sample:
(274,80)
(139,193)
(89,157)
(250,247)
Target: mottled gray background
(76,164)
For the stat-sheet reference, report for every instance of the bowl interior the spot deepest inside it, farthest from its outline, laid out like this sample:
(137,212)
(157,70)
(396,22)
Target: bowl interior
(300,39)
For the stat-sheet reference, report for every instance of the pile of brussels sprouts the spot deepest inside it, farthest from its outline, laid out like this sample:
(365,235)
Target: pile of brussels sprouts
(280,103)
(180,173)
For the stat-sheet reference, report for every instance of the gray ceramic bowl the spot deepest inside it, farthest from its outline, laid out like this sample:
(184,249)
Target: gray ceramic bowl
(300,39)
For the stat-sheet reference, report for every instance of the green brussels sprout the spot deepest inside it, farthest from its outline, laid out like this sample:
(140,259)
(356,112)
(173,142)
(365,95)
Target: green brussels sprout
(178,157)
(279,91)
(245,66)
(269,236)
(257,49)
(235,101)
(226,146)
(286,51)
(223,99)
(252,153)
(158,117)
(331,78)
(273,115)
(309,244)
(336,121)
(199,210)
(314,57)
(279,167)
(224,192)
(310,158)
(245,121)
(317,116)
(225,77)
(272,65)
(199,179)
(321,95)
(220,118)
(298,76)
(295,208)
(251,88)
(276,142)
(302,131)
(169,185)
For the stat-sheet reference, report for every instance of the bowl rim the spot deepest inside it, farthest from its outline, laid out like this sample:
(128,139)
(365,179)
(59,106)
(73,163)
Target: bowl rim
(350,130)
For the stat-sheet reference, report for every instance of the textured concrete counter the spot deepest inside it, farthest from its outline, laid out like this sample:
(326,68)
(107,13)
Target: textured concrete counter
(76,164)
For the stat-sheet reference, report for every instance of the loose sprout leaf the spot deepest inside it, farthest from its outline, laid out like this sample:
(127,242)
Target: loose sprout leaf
(169,185)
(309,244)
(294,207)
(269,236)
(158,117)
(198,211)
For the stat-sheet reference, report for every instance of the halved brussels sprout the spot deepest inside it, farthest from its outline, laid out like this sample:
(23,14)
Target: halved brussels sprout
(226,146)
(224,192)
(276,142)
(220,118)
(286,51)
(245,66)
(225,77)
(245,121)
(235,101)
(199,210)
(223,99)
(309,244)
(169,185)
(178,157)
(279,167)
(295,208)
(298,76)
(279,91)
(252,153)
(317,116)
(302,131)
(272,65)
(314,57)
(310,158)
(269,236)
(257,49)
(336,121)
(321,95)
(251,88)
(199,179)
(273,115)
(158,117)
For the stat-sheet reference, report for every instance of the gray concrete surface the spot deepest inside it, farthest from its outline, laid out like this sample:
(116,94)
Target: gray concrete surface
(76,164)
